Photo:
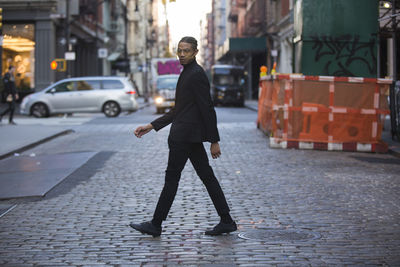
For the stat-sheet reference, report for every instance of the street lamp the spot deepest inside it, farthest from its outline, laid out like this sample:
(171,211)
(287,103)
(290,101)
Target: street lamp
(386,4)
(146,43)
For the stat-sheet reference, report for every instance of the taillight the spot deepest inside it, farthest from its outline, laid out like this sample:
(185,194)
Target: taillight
(130,92)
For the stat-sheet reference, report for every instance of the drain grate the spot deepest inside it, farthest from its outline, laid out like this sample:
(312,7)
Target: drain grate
(278,235)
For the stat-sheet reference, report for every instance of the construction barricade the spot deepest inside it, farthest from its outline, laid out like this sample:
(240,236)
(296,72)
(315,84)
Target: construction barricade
(323,112)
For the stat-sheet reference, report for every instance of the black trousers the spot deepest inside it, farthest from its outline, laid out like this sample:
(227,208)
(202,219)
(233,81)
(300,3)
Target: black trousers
(179,153)
(11,108)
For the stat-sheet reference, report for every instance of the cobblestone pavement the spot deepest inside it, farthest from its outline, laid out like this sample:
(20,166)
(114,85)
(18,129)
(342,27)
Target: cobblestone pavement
(347,202)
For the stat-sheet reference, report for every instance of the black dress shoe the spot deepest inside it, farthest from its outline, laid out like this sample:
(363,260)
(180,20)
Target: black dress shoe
(147,228)
(222,228)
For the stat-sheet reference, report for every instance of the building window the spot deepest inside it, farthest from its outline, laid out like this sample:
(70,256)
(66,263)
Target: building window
(19,51)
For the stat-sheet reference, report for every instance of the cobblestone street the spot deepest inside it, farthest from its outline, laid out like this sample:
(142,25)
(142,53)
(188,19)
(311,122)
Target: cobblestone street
(293,207)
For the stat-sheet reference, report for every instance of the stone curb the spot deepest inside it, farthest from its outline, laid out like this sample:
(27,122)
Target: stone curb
(41,141)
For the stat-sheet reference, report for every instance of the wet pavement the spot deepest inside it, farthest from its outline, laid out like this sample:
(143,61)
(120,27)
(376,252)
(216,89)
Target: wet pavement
(293,207)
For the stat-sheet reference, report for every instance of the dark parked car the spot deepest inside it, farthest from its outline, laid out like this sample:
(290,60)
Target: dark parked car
(227,84)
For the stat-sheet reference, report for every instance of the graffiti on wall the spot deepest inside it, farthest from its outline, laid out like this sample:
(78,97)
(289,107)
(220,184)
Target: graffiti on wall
(169,67)
(343,55)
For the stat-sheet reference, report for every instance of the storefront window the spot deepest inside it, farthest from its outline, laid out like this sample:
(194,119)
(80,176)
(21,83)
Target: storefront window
(19,51)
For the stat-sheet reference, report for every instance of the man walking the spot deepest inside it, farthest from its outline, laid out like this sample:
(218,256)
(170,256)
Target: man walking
(193,122)
(10,93)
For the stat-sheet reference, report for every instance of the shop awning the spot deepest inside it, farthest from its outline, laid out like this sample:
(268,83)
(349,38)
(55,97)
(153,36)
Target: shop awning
(250,44)
(242,45)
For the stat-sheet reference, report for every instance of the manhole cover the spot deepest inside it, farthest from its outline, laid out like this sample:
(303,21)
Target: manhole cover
(274,235)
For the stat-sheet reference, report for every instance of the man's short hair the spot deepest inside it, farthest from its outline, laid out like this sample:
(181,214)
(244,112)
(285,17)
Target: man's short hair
(189,40)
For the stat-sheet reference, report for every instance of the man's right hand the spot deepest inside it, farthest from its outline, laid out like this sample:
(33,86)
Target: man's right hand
(215,150)
(142,130)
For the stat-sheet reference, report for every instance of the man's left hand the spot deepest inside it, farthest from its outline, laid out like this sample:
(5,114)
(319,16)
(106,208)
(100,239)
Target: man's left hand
(215,150)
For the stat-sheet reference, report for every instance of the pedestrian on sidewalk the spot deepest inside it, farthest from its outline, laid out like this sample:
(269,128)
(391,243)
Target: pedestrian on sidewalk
(10,93)
(193,121)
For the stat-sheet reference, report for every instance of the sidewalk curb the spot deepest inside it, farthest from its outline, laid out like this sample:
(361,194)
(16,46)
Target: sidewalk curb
(394,153)
(251,108)
(48,138)
(41,141)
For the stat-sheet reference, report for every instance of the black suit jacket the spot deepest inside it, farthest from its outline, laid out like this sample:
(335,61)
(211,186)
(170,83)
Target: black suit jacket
(193,118)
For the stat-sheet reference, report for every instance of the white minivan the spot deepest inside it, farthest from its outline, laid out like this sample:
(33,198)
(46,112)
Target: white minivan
(110,95)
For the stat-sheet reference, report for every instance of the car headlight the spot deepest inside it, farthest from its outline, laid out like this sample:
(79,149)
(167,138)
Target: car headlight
(159,100)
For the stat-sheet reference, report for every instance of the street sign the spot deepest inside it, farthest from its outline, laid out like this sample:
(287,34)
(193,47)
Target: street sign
(69,55)
(56,16)
(102,52)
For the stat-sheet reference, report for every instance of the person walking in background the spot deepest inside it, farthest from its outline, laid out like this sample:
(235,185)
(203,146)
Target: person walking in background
(193,121)
(10,93)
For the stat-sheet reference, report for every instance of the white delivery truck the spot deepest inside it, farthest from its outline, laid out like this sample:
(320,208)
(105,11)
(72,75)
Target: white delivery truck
(164,77)
(163,66)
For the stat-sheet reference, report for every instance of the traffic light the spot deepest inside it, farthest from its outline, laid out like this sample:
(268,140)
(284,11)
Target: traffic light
(58,64)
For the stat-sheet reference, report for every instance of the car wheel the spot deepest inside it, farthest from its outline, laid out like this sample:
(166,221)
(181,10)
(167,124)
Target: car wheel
(160,110)
(40,110)
(111,109)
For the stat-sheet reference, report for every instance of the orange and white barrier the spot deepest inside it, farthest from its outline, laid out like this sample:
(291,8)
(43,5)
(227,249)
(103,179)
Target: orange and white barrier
(323,112)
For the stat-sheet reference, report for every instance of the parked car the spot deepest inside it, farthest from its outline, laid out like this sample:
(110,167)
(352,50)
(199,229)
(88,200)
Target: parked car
(164,97)
(110,95)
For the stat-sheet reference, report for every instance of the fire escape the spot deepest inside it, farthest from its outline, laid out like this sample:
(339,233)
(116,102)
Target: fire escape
(254,18)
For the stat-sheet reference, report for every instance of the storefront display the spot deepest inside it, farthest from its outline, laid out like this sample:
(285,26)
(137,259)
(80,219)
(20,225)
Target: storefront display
(19,51)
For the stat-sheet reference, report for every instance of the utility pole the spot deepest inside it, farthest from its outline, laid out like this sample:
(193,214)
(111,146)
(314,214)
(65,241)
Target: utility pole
(146,51)
(394,40)
(126,61)
(96,17)
(394,105)
(213,32)
(67,48)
